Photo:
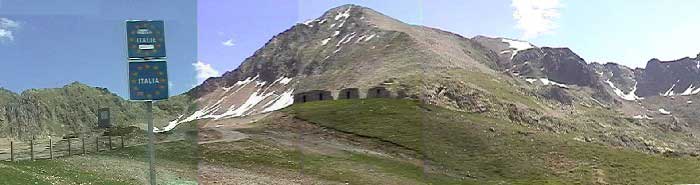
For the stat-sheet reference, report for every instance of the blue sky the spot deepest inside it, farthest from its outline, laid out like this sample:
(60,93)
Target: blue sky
(51,43)
(624,32)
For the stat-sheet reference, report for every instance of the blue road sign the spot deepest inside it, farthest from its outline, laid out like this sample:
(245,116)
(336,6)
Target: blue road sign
(146,39)
(148,80)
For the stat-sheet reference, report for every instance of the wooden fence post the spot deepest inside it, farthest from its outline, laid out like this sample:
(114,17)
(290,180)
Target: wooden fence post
(122,137)
(83,139)
(69,146)
(12,151)
(97,143)
(31,148)
(110,142)
(50,148)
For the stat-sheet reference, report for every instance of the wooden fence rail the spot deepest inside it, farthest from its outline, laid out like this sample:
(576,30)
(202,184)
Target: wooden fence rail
(51,148)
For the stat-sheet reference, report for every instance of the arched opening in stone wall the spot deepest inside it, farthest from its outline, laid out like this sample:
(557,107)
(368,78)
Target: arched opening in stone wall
(349,93)
(378,92)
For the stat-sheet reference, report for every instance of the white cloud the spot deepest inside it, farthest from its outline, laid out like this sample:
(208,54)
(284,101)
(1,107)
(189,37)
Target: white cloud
(228,43)
(204,71)
(7,27)
(535,17)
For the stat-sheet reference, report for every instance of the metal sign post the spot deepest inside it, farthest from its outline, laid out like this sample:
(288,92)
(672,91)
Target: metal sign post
(151,143)
(148,75)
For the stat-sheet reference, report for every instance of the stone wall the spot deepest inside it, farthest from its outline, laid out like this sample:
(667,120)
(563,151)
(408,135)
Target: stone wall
(349,93)
(315,95)
(378,92)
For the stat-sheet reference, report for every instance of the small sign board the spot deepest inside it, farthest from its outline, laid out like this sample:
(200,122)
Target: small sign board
(148,80)
(145,39)
(103,118)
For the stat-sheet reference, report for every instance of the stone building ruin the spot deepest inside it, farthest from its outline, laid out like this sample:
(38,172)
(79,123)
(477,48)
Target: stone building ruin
(347,93)
(314,95)
(378,92)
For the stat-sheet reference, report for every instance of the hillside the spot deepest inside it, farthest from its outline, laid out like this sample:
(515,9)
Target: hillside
(383,141)
(551,89)
(72,109)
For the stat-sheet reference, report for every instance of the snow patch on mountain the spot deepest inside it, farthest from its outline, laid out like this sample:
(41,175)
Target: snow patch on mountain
(349,38)
(308,23)
(284,80)
(669,92)
(691,90)
(360,38)
(546,81)
(345,14)
(628,96)
(341,40)
(325,41)
(234,111)
(664,111)
(341,24)
(247,80)
(246,97)
(643,116)
(282,101)
(517,46)
(337,50)
(370,37)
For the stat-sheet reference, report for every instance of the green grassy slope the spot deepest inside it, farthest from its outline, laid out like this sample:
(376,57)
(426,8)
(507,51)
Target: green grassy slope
(471,149)
(176,164)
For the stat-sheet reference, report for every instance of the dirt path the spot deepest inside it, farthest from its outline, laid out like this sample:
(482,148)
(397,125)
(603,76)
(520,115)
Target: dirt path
(223,135)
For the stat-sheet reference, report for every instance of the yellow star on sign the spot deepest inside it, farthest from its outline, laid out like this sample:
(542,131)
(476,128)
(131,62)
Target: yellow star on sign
(135,73)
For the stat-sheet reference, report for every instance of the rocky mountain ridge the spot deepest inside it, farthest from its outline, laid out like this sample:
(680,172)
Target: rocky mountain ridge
(354,46)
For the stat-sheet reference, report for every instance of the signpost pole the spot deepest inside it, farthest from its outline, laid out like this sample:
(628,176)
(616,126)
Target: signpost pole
(151,141)
(148,76)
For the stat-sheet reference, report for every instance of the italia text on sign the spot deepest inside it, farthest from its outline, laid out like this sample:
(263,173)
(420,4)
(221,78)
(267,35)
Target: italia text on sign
(148,80)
